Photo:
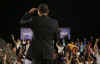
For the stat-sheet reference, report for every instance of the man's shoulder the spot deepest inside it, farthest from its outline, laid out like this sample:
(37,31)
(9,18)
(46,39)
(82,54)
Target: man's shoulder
(52,18)
(45,17)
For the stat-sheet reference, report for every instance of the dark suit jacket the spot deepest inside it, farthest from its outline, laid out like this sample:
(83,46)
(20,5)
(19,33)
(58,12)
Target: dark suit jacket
(45,29)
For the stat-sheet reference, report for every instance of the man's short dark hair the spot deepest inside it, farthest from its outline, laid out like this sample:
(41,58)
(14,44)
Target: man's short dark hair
(43,8)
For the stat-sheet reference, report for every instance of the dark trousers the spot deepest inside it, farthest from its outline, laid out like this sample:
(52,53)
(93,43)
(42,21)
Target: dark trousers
(41,52)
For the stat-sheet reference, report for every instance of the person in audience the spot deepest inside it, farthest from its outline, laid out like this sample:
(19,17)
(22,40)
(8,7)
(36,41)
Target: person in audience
(68,58)
(60,48)
(28,43)
(17,43)
(97,51)
(72,45)
(19,61)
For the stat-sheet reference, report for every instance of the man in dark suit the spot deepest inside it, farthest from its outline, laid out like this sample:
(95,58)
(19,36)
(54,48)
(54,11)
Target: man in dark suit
(45,30)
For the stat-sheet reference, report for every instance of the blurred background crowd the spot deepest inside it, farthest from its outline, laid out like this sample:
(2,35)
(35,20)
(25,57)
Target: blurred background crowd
(77,50)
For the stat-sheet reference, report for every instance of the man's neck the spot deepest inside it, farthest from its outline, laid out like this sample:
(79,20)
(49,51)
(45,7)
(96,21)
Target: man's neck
(44,14)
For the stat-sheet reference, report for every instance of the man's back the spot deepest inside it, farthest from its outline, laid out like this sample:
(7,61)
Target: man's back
(44,27)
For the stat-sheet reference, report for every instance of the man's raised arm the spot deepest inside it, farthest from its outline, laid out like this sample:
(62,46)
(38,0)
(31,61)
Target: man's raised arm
(27,18)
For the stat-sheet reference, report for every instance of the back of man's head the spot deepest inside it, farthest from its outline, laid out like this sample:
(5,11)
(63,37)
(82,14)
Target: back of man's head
(43,8)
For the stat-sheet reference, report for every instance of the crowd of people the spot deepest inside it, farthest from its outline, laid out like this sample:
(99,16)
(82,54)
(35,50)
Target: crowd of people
(75,51)
(15,53)
(78,51)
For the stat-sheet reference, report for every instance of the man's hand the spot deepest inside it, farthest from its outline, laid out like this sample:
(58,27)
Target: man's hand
(32,10)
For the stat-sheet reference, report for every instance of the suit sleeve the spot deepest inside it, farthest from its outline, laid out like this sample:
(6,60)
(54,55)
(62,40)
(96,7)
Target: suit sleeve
(27,18)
